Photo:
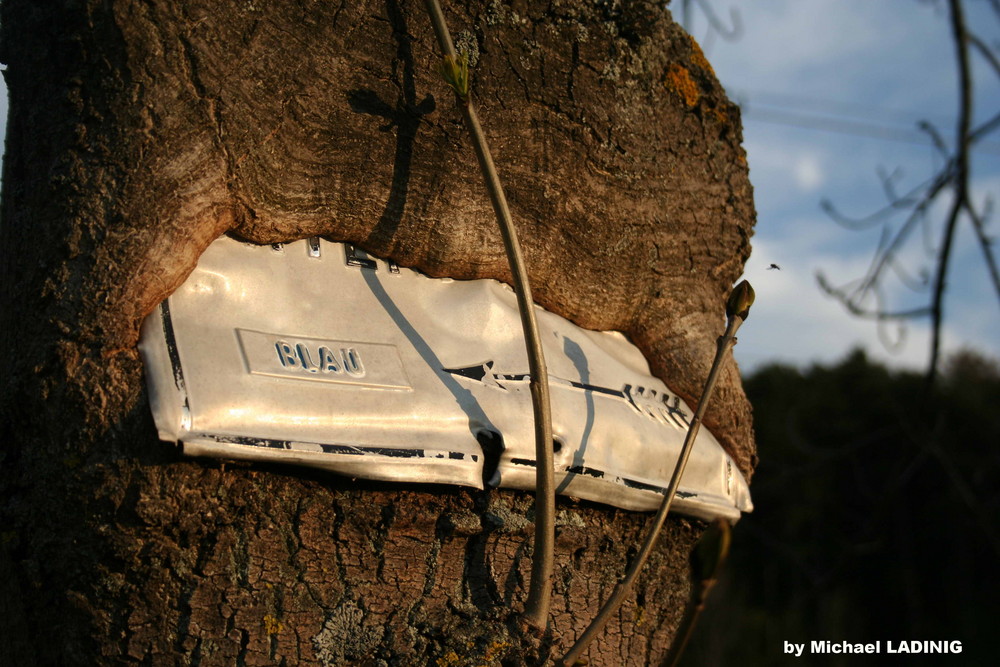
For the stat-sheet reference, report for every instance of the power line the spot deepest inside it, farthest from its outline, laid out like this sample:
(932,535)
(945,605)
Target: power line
(841,123)
(829,107)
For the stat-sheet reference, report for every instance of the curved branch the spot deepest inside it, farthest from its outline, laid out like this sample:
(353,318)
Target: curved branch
(856,224)
(984,129)
(936,138)
(730,35)
(735,318)
(943,178)
(877,314)
(932,185)
(540,588)
(911,282)
(888,183)
(984,51)
(986,244)
(961,180)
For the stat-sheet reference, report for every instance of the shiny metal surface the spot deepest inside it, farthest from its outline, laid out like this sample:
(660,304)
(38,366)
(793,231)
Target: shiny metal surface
(313,353)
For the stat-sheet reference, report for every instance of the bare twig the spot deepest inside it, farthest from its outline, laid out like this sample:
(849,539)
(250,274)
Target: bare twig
(715,24)
(919,195)
(876,314)
(707,559)
(889,180)
(984,129)
(737,310)
(728,34)
(935,136)
(985,52)
(540,589)
(916,284)
(961,180)
(986,244)
(954,175)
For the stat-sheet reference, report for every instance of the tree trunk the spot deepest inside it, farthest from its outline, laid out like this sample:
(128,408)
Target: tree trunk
(141,131)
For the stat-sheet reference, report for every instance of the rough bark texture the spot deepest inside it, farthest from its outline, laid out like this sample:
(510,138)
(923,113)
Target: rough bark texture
(141,131)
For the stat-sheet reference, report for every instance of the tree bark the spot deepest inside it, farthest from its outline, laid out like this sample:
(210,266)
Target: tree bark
(141,131)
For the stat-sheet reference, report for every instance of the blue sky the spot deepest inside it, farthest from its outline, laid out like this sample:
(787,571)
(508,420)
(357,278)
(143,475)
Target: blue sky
(879,67)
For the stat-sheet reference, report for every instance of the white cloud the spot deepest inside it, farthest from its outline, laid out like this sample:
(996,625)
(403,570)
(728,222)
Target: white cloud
(794,322)
(885,62)
(808,174)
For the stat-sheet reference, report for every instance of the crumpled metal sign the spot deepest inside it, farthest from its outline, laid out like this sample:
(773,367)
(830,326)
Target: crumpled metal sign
(314,353)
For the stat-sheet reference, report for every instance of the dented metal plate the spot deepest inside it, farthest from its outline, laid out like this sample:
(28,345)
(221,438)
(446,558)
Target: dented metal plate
(313,353)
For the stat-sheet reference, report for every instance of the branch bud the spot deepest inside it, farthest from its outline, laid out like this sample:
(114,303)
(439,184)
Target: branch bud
(711,551)
(455,71)
(740,301)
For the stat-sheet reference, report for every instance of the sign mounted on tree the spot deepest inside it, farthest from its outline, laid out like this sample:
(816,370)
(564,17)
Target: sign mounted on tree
(314,353)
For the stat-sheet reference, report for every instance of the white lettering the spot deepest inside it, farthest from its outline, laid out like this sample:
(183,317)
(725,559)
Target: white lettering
(924,646)
(826,646)
(326,360)
(352,362)
(285,354)
(794,649)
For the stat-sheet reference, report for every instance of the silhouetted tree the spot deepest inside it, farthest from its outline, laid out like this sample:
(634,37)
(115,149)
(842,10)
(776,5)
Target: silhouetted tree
(875,517)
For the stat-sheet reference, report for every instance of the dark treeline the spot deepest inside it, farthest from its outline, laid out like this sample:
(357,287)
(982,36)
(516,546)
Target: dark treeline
(877,516)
